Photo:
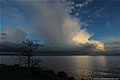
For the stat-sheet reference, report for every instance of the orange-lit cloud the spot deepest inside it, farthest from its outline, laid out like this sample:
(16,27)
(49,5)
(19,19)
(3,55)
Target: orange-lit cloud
(76,36)
(82,38)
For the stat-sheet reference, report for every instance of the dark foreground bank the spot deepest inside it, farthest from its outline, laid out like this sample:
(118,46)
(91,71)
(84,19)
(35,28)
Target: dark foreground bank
(15,72)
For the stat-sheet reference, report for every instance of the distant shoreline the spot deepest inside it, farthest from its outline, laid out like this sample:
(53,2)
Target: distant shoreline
(44,54)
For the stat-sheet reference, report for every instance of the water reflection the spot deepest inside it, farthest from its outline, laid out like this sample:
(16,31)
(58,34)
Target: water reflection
(83,67)
(98,66)
(78,66)
(89,67)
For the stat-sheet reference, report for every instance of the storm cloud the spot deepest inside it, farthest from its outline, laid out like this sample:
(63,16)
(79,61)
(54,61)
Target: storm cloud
(50,20)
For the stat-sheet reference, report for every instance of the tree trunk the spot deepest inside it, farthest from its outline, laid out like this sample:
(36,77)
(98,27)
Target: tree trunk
(28,61)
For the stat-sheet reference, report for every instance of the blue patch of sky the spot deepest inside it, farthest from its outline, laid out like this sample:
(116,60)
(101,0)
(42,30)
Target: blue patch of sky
(33,37)
(97,14)
(15,15)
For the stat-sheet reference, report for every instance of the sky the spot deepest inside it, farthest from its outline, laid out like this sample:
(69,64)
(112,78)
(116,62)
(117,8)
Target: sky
(72,25)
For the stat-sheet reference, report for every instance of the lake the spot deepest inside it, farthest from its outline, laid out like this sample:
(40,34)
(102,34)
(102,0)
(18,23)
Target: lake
(78,66)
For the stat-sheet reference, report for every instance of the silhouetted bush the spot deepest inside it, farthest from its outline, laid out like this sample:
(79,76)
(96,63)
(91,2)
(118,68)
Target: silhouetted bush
(71,78)
(62,74)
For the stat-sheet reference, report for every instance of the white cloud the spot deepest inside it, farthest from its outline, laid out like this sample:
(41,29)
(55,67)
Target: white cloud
(83,4)
(75,36)
(13,34)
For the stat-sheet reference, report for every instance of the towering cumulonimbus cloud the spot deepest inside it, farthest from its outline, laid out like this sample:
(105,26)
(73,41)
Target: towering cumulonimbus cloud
(53,24)
(59,28)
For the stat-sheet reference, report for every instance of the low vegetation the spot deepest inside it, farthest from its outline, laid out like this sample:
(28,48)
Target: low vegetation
(15,72)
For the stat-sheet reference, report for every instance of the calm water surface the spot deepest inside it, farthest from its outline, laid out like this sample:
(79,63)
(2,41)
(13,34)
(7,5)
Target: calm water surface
(78,66)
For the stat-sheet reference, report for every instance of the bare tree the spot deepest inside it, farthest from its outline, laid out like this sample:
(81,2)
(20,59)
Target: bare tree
(29,50)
